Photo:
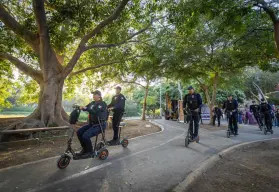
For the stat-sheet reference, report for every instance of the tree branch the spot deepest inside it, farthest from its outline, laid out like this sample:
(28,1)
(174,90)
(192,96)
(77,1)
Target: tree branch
(21,31)
(268,10)
(36,75)
(102,65)
(94,32)
(93,67)
(133,82)
(121,42)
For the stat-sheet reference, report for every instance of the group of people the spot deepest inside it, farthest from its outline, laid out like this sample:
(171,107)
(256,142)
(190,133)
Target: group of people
(263,114)
(98,114)
(192,104)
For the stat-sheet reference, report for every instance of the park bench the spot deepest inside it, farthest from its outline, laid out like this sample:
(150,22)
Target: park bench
(38,132)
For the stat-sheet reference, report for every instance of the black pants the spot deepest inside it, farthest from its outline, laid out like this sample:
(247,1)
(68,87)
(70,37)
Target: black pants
(268,120)
(258,119)
(218,119)
(233,122)
(194,119)
(117,116)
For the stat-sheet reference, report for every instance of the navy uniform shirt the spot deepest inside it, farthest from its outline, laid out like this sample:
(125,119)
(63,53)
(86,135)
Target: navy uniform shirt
(265,108)
(118,103)
(96,109)
(254,108)
(193,101)
(217,111)
(230,105)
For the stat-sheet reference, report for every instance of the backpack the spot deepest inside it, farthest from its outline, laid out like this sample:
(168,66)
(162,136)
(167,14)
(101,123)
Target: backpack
(74,116)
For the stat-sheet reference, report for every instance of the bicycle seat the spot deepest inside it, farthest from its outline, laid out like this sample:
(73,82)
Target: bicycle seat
(122,124)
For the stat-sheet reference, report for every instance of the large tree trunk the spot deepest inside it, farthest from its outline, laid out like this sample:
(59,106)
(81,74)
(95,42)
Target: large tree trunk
(144,102)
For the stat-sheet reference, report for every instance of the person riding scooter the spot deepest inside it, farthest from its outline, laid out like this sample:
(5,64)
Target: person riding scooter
(98,115)
(254,108)
(265,110)
(231,108)
(193,102)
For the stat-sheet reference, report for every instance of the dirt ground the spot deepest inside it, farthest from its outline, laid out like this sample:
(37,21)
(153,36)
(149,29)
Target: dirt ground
(252,168)
(52,147)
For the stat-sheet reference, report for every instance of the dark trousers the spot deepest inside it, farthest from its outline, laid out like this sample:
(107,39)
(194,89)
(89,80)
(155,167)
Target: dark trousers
(258,119)
(86,132)
(268,121)
(117,116)
(218,119)
(194,119)
(233,122)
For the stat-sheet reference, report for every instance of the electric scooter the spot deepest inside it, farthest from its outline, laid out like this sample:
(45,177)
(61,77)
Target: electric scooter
(189,137)
(124,142)
(65,159)
(229,131)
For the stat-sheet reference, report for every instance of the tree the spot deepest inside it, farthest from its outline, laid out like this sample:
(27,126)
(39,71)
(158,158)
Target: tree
(51,38)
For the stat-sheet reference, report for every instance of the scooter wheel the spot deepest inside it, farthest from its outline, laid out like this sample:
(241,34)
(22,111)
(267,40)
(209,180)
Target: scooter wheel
(125,143)
(265,131)
(228,134)
(187,141)
(63,161)
(99,146)
(103,154)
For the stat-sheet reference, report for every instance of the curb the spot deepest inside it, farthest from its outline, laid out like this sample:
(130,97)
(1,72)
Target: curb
(54,157)
(205,165)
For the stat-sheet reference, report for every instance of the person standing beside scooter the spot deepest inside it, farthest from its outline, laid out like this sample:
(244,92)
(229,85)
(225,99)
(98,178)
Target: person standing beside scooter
(193,102)
(231,106)
(117,105)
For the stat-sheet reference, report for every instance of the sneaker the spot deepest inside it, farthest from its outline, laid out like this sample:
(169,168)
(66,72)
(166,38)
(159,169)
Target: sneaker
(113,142)
(82,151)
(196,138)
(87,155)
(236,134)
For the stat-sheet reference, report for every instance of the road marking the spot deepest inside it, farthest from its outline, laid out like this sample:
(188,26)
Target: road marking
(71,177)
(150,147)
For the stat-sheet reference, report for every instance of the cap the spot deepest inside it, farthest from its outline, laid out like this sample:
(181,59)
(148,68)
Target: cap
(118,87)
(190,87)
(97,92)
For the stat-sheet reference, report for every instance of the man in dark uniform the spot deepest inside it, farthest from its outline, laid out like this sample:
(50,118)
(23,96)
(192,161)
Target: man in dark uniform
(117,105)
(193,102)
(231,106)
(254,108)
(265,110)
(217,113)
(98,115)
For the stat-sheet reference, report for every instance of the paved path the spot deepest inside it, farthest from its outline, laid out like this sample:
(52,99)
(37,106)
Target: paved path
(156,162)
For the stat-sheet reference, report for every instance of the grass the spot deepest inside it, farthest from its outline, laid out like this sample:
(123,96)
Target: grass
(11,116)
